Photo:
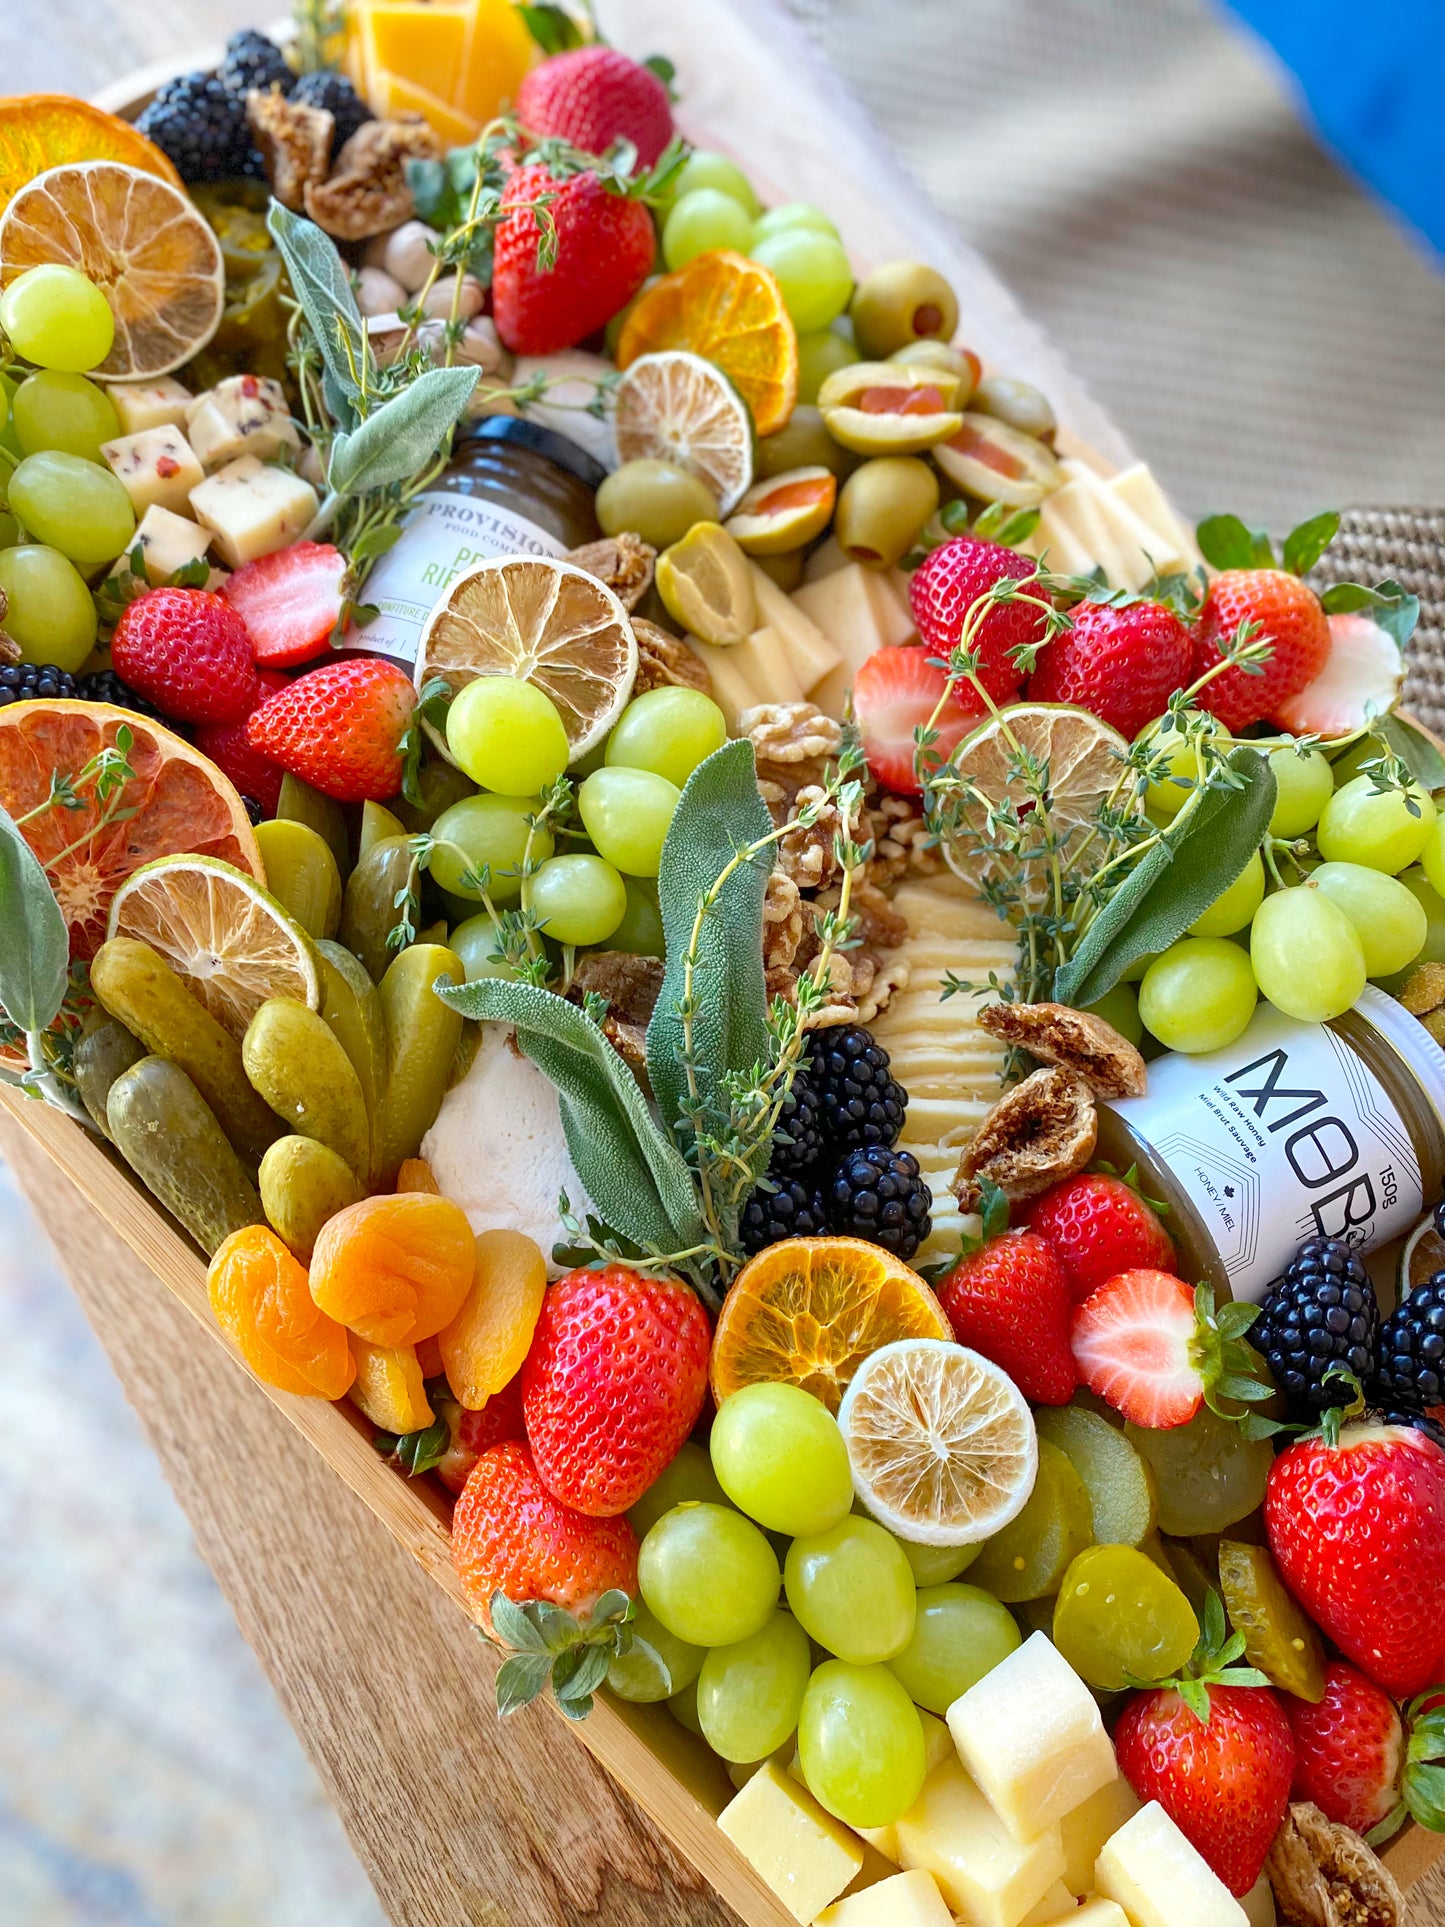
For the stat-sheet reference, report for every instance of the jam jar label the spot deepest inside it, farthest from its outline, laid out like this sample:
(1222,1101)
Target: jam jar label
(445,535)
(1284,1135)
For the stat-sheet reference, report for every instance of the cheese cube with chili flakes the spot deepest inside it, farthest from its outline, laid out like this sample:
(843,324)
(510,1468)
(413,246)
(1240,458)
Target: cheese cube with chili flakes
(253,509)
(242,415)
(161,403)
(167,542)
(156,467)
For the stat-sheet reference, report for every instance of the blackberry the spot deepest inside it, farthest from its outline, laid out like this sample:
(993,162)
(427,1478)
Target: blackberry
(1322,1314)
(1418,1421)
(800,1120)
(23,682)
(253,61)
(793,1210)
(256,811)
(878,1194)
(1411,1371)
(203,129)
(336,94)
(105,686)
(858,1102)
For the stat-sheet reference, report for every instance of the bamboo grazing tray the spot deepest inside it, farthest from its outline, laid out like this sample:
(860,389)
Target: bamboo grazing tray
(743,66)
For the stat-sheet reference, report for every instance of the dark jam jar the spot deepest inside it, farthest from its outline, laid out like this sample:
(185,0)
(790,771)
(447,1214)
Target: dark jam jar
(512,488)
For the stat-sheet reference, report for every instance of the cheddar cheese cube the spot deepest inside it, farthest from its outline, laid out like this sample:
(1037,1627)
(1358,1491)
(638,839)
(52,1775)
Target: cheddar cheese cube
(1089,1825)
(801,1852)
(1160,1879)
(1057,1904)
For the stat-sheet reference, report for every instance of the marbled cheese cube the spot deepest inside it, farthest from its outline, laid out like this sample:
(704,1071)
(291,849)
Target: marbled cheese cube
(252,509)
(804,1854)
(155,466)
(1030,1734)
(168,542)
(242,415)
(1161,1879)
(907,1900)
(1057,1904)
(150,404)
(985,1875)
(1089,1825)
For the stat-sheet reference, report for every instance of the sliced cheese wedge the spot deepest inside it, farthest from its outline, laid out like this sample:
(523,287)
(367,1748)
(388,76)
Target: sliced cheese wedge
(809,651)
(1138,489)
(768,667)
(732,689)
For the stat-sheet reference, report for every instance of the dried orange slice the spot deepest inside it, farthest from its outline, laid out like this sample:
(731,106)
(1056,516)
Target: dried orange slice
(144,244)
(174,800)
(730,311)
(808,1311)
(38,131)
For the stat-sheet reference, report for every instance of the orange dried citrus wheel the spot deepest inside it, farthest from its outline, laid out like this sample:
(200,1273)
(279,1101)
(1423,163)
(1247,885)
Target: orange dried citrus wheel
(141,240)
(38,131)
(808,1311)
(730,311)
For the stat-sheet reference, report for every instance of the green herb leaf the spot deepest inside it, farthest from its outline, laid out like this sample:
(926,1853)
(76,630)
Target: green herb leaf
(323,287)
(666,72)
(1393,607)
(375,542)
(34,940)
(1414,749)
(1191,867)
(1226,543)
(402,436)
(1304,546)
(416,1452)
(1010,526)
(553,28)
(520,1679)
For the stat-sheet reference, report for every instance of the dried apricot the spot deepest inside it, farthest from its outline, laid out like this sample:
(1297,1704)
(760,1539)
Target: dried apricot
(484,1345)
(260,1296)
(394,1269)
(429,1357)
(389,1388)
(416,1174)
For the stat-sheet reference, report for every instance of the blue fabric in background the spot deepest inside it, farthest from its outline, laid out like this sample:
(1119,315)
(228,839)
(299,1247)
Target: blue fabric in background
(1373,79)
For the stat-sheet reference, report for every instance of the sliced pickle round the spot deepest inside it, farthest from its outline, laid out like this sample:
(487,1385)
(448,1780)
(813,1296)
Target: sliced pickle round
(1209,1475)
(1279,1636)
(1118,1478)
(1029,1558)
(1119,1618)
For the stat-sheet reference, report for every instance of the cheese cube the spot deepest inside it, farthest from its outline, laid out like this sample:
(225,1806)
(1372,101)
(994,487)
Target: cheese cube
(1030,1734)
(242,415)
(168,542)
(1057,1904)
(766,665)
(732,688)
(804,1854)
(937,1747)
(907,1900)
(1089,1825)
(1138,489)
(850,614)
(986,1875)
(155,466)
(1098,1912)
(150,404)
(252,510)
(1161,1879)
(808,650)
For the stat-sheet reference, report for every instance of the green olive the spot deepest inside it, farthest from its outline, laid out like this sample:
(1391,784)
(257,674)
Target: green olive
(439,785)
(803,443)
(882,507)
(997,463)
(1018,403)
(886,408)
(962,363)
(819,356)
(786,570)
(902,302)
(655,500)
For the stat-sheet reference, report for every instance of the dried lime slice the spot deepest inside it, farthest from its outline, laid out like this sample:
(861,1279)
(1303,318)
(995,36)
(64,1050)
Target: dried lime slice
(677,407)
(1421,1256)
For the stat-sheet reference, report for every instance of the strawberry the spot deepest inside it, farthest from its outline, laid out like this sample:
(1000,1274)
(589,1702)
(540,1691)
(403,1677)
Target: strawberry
(1155,1349)
(290,601)
(1010,1301)
(593,96)
(613,1384)
(1360,678)
(605,245)
(229,748)
(1121,664)
(1358,1530)
(896,692)
(1348,1749)
(1099,1225)
(1290,620)
(340,728)
(499,1422)
(187,651)
(948,583)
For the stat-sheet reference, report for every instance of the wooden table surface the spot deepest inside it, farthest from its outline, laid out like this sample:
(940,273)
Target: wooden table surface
(456,1825)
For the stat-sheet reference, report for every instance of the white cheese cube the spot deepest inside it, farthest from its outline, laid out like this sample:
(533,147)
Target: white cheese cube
(808,650)
(732,688)
(801,1852)
(150,404)
(766,665)
(1030,1734)
(907,1900)
(155,466)
(1057,1904)
(168,542)
(242,415)
(252,510)
(1098,1912)
(1138,489)
(849,611)
(986,1876)
(1160,1879)
(1089,1825)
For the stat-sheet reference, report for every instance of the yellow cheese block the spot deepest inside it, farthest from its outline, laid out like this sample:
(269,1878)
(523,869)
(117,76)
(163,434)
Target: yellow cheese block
(1098,1912)
(804,1854)
(392,95)
(851,612)
(768,667)
(907,1900)
(1089,1825)
(809,650)
(498,52)
(732,688)
(421,44)
(1057,1904)
(986,1876)
(1138,488)
(1161,1879)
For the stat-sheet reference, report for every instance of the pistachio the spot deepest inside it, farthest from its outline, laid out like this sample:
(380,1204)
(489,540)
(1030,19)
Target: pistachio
(407,256)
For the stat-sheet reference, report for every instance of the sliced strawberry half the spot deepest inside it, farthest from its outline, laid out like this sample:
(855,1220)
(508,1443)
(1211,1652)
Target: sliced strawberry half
(290,601)
(1154,1348)
(895,693)
(1360,679)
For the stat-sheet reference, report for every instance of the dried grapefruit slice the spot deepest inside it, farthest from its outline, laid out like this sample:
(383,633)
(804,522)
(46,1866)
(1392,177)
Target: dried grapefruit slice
(810,1310)
(144,244)
(730,311)
(173,800)
(38,131)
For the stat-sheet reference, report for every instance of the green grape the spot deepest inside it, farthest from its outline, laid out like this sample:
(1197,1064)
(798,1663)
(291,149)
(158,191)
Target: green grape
(640,932)
(1383,829)
(860,1744)
(1418,883)
(689,1479)
(852,1589)
(934,1565)
(700,222)
(9,529)
(51,615)
(821,354)
(1307,955)
(1120,1007)
(1209,1475)
(1303,785)
(749,1694)
(961,1633)
(813,272)
(507,735)
(575,899)
(1389,918)
(793,214)
(709,1575)
(1432,857)
(1198,995)
(9,440)
(703,169)
(683,1708)
(64,412)
(668,731)
(637,1676)
(779,1455)
(627,813)
(57,319)
(6,391)
(73,505)
(487,835)
(1178,762)
(1235,909)
(476,942)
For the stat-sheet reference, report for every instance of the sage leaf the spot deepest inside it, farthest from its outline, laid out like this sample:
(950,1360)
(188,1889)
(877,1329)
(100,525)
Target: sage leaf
(721,813)
(1388,604)
(34,941)
(404,434)
(1304,546)
(520,1679)
(1189,868)
(1226,543)
(1414,749)
(322,285)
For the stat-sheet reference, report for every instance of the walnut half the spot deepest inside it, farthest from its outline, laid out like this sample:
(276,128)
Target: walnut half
(1043,1130)
(1076,1039)
(1324,1875)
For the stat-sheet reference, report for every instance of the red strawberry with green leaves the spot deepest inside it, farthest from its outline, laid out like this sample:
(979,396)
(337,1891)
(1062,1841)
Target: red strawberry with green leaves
(951,582)
(1100,1225)
(1120,661)
(469,1434)
(1357,1529)
(230,749)
(340,728)
(1352,1759)
(1008,1298)
(593,96)
(1155,1349)
(569,254)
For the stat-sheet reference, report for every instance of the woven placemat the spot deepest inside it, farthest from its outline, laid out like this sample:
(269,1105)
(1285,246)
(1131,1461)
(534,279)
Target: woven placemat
(1408,544)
